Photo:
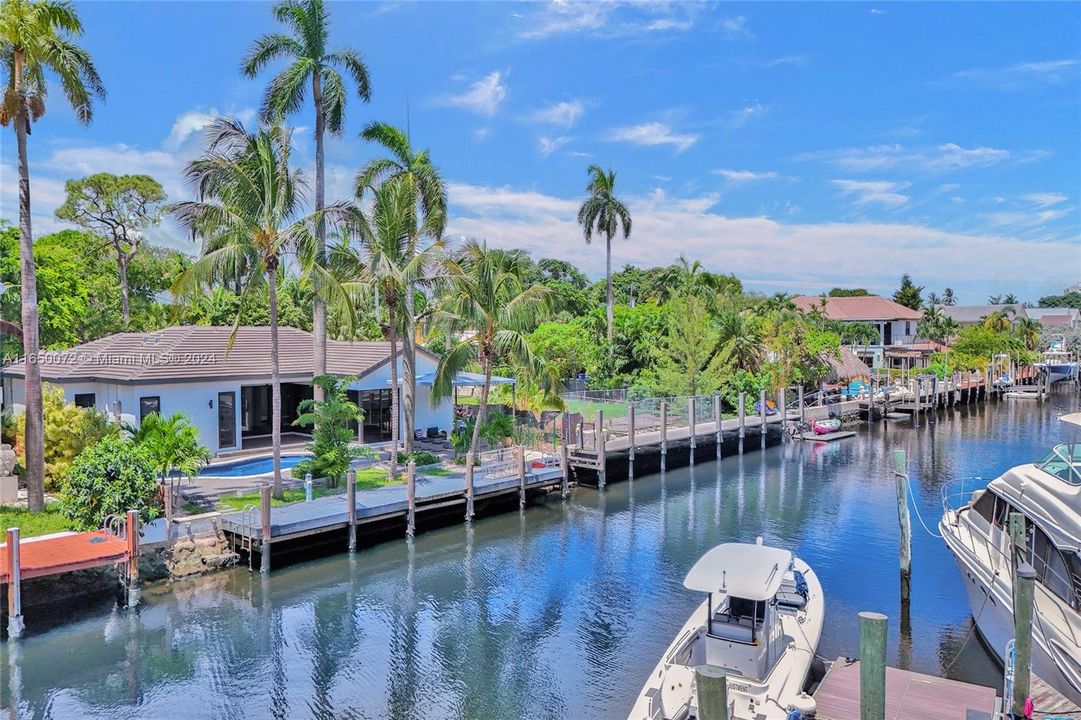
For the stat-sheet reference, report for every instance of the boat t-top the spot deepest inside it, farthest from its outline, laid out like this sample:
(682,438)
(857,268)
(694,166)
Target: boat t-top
(1048,495)
(760,624)
(1059,363)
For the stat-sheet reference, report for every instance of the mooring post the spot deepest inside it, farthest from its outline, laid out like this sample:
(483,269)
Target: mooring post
(630,442)
(872,666)
(782,407)
(167,497)
(762,411)
(411,499)
(802,412)
(1024,588)
(712,684)
(741,410)
(717,422)
(934,397)
(904,538)
(602,451)
(351,507)
(469,481)
(132,531)
(691,419)
(15,586)
(264,536)
(520,452)
(565,464)
(307,487)
(1018,539)
(870,400)
(664,432)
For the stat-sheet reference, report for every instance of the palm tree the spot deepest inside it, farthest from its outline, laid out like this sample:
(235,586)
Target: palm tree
(999,321)
(604,214)
(740,340)
(248,207)
(420,179)
(35,40)
(1028,331)
(485,314)
(390,263)
(948,297)
(172,444)
(310,61)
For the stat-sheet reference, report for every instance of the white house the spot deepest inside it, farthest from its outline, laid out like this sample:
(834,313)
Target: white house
(896,324)
(226,392)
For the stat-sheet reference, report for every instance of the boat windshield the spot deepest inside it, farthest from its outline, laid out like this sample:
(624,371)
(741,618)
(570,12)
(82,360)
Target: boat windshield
(1064,462)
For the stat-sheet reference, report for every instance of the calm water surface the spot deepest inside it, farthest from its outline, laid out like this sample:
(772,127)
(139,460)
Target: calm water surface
(560,612)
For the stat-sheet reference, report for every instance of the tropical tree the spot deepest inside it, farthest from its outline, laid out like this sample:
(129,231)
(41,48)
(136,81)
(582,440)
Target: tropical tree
(35,42)
(1028,331)
(689,361)
(948,297)
(310,61)
(421,181)
(999,321)
(909,293)
(606,215)
(485,313)
(740,340)
(248,205)
(171,444)
(332,446)
(1007,299)
(118,209)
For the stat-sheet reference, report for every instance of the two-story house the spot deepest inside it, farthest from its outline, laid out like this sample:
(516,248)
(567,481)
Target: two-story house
(896,324)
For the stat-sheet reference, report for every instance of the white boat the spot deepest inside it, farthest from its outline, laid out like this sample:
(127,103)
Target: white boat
(1059,364)
(760,622)
(1048,494)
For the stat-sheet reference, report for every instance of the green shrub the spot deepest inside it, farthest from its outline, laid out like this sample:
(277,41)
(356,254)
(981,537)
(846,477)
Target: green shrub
(420,457)
(496,427)
(331,447)
(111,477)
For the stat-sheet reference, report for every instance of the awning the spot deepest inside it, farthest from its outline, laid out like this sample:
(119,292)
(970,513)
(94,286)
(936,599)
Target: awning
(747,571)
(464,379)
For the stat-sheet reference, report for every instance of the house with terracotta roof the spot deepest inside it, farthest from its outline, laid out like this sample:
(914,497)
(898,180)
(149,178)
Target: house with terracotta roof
(226,392)
(1056,317)
(896,324)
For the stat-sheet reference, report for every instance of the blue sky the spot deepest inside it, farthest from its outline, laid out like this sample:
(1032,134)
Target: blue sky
(799,145)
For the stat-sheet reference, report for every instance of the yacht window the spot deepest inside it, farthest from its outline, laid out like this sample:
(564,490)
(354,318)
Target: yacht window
(985,505)
(1064,462)
(1050,566)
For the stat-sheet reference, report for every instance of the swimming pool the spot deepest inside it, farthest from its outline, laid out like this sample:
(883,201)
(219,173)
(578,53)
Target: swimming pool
(251,466)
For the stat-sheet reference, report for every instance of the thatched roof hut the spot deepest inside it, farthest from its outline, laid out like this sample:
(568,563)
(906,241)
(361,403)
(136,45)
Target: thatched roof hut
(845,368)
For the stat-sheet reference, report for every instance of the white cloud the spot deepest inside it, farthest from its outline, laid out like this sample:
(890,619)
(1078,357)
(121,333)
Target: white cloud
(878,11)
(1023,75)
(611,19)
(484,96)
(548,145)
(881,192)
(744,115)
(564,114)
(736,26)
(952,157)
(669,24)
(653,133)
(943,158)
(191,123)
(566,17)
(787,60)
(736,177)
(1045,199)
(816,255)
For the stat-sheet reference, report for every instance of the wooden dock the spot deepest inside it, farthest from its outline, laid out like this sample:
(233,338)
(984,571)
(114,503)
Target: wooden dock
(909,696)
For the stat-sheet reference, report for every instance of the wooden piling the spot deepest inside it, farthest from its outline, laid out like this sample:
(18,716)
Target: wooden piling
(872,666)
(762,412)
(564,460)
(167,498)
(717,422)
(1018,539)
(264,537)
(870,400)
(664,432)
(602,451)
(904,525)
(351,508)
(1024,589)
(520,452)
(630,442)
(712,682)
(469,476)
(15,587)
(802,413)
(411,499)
(741,410)
(782,407)
(691,420)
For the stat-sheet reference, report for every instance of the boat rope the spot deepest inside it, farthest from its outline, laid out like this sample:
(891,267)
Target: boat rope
(971,630)
(916,509)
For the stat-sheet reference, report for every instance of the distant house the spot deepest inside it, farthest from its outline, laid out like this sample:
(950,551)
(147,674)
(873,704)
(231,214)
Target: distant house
(975,314)
(915,355)
(227,394)
(1056,317)
(896,324)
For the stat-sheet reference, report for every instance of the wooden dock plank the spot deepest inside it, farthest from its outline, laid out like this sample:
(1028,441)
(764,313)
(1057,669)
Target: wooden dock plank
(909,696)
(65,553)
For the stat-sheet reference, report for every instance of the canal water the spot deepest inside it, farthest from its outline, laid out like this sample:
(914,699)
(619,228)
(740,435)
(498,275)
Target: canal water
(559,612)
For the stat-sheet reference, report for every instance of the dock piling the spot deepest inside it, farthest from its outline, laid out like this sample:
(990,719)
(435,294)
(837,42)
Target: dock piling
(264,537)
(872,666)
(15,596)
(351,507)
(602,451)
(691,422)
(712,684)
(411,499)
(782,407)
(167,498)
(307,487)
(762,412)
(630,442)
(469,476)
(1024,584)
(520,452)
(741,410)
(904,525)
(565,464)
(133,557)
(1016,524)
(717,422)
(664,433)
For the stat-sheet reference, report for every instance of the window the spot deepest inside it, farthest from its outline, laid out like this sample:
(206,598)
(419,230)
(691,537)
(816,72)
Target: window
(1051,567)
(85,400)
(148,405)
(985,506)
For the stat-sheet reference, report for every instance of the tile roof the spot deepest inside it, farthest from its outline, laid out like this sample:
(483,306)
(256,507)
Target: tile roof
(197,352)
(972,314)
(861,308)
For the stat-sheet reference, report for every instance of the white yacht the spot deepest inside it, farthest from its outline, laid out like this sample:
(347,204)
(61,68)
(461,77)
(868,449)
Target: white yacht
(1048,494)
(761,622)
(1059,363)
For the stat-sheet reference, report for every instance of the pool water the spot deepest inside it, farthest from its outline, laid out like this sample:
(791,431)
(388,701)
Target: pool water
(251,466)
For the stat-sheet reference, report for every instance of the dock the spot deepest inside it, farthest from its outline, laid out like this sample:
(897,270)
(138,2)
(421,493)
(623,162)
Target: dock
(909,696)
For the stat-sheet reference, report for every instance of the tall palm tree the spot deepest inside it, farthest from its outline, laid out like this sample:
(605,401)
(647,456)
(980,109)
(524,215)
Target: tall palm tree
(485,313)
(604,214)
(390,263)
(999,321)
(36,41)
(248,206)
(1028,331)
(740,340)
(948,297)
(310,61)
(421,180)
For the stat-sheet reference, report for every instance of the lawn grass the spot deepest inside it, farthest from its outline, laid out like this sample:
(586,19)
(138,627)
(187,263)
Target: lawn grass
(436,471)
(31,524)
(367,479)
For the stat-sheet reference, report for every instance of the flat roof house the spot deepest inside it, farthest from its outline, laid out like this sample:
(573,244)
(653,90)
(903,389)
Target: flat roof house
(896,323)
(226,394)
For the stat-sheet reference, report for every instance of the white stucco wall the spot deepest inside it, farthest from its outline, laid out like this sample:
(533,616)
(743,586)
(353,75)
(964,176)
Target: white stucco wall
(426,416)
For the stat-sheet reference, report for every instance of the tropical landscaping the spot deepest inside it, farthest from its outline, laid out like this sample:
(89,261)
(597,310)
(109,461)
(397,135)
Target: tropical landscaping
(273,251)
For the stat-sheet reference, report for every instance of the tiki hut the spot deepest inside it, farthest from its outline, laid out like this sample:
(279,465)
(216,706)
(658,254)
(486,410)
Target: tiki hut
(845,368)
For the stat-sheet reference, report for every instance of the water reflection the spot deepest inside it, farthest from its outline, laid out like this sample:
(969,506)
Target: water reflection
(557,612)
